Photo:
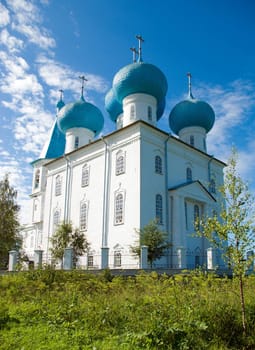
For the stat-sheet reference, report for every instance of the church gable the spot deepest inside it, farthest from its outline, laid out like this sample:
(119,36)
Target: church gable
(193,190)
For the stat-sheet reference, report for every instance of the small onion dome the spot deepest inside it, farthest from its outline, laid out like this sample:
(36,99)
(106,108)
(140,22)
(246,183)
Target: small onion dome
(161,108)
(80,114)
(191,112)
(113,107)
(140,77)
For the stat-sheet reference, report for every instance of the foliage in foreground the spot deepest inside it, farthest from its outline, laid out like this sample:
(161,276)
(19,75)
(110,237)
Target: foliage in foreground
(233,231)
(9,224)
(154,238)
(48,309)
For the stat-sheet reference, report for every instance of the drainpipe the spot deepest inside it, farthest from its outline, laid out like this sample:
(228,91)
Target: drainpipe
(167,202)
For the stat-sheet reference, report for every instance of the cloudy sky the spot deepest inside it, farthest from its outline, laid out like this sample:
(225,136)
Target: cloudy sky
(45,45)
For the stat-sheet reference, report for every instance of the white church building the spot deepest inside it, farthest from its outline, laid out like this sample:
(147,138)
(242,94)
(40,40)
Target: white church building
(111,186)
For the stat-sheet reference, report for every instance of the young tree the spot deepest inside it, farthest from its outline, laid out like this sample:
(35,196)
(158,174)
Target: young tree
(9,224)
(235,225)
(155,239)
(65,236)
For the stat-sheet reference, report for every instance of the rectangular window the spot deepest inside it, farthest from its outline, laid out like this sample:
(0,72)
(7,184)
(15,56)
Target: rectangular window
(90,261)
(83,216)
(119,206)
(58,186)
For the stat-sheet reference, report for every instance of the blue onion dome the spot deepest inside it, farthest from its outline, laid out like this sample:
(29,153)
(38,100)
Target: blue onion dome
(80,114)
(140,77)
(161,108)
(113,107)
(191,112)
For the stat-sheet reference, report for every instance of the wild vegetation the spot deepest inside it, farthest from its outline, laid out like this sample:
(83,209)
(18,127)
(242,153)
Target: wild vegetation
(50,309)
(9,224)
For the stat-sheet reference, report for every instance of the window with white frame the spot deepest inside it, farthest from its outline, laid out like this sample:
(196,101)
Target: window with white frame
(83,216)
(149,113)
(85,175)
(188,174)
(58,185)
(117,259)
(120,163)
(158,165)
(159,209)
(90,260)
(56,219)
(37,178)
(119,209)
(132,112)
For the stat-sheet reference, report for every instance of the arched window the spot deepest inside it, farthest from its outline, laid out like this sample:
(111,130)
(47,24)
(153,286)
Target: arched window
(37,178)
(191,140)
(132,112)
(117,259)
(159,209)
(85,176)
(119,209)
(188,174)
(196,212)
(83,216)
(149,113)
(158,165)
(120,163)
(76,142)
(212,187)
(58,185)
(56,219)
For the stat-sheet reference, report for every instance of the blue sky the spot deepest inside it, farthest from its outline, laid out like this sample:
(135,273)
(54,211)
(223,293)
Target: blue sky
(46,44)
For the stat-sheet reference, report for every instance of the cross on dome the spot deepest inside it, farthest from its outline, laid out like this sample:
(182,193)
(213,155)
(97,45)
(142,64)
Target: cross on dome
(140,41)
(61,94)
(189,85)
(83,79)
(135,52)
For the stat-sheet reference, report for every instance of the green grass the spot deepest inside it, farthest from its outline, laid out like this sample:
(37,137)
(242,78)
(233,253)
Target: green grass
(50,310)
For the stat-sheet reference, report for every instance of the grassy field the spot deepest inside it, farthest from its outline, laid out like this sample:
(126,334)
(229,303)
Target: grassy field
(47,309)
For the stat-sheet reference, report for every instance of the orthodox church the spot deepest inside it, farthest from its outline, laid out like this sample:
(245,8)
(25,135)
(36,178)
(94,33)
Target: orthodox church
(112,186)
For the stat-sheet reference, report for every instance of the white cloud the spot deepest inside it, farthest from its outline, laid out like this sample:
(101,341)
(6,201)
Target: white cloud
(4,16)
(26,20)
(12,43)
(56,74)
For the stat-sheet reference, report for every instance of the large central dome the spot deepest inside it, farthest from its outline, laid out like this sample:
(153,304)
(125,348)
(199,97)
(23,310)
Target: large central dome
(140,77)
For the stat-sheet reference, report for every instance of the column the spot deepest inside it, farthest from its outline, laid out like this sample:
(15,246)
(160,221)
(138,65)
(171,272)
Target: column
(38,258)
(179,231)
(211,259)
(68,258)
(13,258)
(104,258)
(181,257)
(144,257)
